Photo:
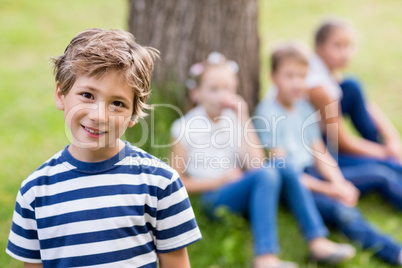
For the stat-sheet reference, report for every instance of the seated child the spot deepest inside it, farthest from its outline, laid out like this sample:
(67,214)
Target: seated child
(380,142)
(218,154)
(287,126)
(101,201)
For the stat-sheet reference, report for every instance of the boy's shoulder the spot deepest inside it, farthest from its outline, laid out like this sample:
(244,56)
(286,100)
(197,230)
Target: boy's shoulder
(137,157)
(52,166)
(269,107)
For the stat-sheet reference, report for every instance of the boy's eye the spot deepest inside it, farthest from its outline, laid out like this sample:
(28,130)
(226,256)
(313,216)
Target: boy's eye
(87,95)
(118,104)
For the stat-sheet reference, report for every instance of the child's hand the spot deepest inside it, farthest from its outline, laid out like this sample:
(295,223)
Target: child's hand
(346,193)
(232,176)
(237,104)
(394,149)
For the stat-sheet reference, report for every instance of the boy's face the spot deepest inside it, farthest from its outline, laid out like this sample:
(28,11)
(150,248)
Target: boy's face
(290,80)
(97,110)
(216,84)
(338,49)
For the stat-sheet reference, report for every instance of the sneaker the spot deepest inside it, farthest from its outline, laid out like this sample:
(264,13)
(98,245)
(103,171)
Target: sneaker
(283,264)
(342,253)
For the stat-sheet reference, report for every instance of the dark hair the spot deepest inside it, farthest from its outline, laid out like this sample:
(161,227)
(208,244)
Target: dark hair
(289,50)
(326,28)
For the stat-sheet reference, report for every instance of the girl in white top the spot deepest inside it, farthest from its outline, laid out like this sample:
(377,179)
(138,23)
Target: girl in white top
(214,158)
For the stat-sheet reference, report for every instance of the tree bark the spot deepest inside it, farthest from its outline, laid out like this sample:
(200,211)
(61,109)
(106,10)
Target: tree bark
(186,31)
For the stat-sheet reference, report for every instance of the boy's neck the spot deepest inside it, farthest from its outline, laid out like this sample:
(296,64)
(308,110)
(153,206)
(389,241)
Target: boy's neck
(96,155)
(288,105)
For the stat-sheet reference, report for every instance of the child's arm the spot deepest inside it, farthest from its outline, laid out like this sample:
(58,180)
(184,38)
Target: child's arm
(174,259)
(325,164)
(347,142)
(335,185)
(250,143)
(178,162)
(388,131)
(32,265)
(336,191)
(328,169)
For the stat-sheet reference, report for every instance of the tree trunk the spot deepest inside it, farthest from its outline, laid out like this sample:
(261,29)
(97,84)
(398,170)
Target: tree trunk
(186,31)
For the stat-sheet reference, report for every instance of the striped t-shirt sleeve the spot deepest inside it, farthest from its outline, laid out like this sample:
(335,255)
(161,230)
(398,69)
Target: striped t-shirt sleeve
(175,221)
(23,242)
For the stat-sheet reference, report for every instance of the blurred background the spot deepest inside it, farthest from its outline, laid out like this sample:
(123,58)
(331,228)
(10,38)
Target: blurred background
(32,129)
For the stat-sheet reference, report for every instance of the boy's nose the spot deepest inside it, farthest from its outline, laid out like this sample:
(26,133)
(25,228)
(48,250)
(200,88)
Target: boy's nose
(99,114)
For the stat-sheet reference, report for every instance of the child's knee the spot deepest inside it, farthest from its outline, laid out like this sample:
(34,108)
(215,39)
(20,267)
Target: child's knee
(346,215)
(266,177)
(383,174)
(289,172)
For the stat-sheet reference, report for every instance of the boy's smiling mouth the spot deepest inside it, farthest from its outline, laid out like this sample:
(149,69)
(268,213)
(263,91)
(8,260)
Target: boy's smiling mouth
(95,133)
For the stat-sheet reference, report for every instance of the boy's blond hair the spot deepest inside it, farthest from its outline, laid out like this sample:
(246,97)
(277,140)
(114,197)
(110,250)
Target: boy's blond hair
(289,50)
(94,52)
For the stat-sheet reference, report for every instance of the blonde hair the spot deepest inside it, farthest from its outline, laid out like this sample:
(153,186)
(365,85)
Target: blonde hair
(95,52)
(288,50)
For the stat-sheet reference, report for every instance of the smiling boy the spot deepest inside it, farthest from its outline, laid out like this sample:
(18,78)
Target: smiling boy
(89,204)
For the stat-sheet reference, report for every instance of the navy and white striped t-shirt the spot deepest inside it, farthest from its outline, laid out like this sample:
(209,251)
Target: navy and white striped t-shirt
(115,213)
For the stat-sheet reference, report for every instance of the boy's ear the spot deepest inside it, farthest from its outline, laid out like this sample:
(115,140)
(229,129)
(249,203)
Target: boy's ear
(59,96)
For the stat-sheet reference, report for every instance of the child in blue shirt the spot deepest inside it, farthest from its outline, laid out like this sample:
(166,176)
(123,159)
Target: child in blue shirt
(288,126)
(101,201)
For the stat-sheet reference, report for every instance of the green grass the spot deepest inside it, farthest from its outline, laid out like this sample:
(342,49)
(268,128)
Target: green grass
(32,129)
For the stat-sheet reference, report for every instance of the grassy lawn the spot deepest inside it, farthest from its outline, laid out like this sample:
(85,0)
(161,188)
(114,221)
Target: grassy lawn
(32,129)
